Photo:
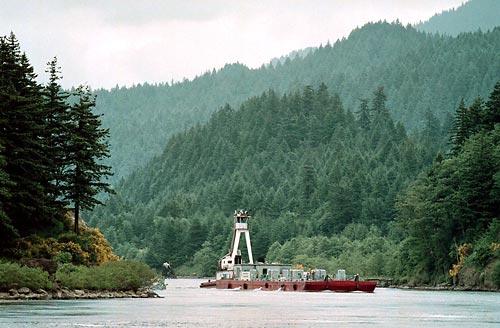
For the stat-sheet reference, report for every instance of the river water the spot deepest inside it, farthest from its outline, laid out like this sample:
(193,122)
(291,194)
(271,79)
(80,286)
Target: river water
(186,305)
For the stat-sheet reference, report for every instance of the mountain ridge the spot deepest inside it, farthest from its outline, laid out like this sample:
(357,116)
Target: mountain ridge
(471,16)
(410,64)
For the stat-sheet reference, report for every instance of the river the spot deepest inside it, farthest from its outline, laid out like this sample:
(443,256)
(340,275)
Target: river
(186,305)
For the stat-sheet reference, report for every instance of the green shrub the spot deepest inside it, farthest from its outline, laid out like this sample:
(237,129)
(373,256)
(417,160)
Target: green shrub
(13,275)
(63,257)
(496,274)
(482,252)
(73,277)
(118,275)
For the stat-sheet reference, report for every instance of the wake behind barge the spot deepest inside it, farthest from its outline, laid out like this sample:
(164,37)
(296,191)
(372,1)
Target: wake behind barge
(234,274)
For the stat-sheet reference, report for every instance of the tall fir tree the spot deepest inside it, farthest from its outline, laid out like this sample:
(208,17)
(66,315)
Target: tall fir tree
(492,108)
(28,205)
(57,132)
(7,230)
(378,103)
(468,121)
(461,127)
(364,114)
(87,147)
(308,182)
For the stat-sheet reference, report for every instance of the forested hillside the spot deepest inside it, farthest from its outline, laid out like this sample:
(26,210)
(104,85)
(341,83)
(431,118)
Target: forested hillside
(471,16)
(451,213)
(446,227)
(304,164)
(420,73)
(327,188)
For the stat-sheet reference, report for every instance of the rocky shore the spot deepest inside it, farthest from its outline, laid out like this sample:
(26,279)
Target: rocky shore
(25,293)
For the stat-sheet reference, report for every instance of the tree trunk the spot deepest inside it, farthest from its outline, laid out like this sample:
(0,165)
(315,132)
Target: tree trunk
(77,217)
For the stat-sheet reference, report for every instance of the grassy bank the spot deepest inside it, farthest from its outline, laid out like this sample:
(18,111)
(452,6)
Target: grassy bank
(110,276)
(61,259)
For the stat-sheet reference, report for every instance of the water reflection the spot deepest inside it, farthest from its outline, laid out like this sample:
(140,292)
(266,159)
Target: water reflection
(185,305)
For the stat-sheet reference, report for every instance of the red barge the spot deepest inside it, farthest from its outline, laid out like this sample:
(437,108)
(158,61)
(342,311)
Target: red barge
(236,275)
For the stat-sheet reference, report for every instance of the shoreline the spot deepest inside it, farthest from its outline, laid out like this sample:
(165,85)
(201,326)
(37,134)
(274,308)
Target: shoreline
(25,293)
(383,283)
(444,288)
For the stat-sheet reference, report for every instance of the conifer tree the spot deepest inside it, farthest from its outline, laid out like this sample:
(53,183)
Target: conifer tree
(22,131)
(308,99)
(87,147)
(492,109)
(468,120)
(364,114)
(476,115)
(378,103)
(461,125)
(7,229)
(57,131)
(308,187)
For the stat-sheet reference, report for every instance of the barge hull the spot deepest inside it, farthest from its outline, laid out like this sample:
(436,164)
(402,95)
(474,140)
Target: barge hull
(296,286)
(259,284)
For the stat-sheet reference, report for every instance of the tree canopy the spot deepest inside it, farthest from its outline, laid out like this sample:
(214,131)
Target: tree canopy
(44,139)
(419,72)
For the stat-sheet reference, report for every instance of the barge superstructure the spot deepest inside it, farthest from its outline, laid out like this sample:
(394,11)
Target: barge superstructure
(234,274)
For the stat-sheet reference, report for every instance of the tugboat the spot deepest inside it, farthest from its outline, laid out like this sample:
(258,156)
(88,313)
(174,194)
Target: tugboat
(234,274)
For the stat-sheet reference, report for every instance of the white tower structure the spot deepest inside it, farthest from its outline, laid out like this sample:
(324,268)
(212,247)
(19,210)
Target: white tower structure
(240,227)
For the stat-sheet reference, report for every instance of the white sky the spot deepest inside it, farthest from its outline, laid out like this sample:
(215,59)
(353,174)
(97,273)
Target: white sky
(109,42)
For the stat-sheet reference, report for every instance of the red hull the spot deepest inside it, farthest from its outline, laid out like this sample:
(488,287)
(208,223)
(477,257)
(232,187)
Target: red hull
(298,286)
(341,286)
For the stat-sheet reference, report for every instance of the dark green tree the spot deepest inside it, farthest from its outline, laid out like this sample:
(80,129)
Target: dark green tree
(87,147)
(378,102)
(461,127)
(7,229)
(57,131)
(308,183)
(468,120)
(492,108)
(364,114)
(23,132)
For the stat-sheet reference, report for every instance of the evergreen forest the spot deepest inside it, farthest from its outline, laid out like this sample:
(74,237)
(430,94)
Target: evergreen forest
(327,188)
(471,16)
(378,153)
(420,72)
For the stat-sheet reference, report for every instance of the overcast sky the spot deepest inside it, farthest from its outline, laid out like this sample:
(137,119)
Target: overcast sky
(109,42)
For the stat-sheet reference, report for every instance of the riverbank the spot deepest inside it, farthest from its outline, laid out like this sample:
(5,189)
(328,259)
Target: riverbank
(448,288)
(25,293)
(461,286)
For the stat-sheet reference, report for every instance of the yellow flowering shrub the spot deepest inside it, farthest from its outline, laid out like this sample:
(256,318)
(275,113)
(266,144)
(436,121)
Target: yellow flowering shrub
(90,247)
(99,249)
(463,251)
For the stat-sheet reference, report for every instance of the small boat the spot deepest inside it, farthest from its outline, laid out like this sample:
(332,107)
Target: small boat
(235,275)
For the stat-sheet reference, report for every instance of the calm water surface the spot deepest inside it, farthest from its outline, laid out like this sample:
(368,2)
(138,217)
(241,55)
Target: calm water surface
(186,305)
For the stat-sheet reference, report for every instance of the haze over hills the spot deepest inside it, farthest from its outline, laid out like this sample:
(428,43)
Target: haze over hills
(471,16)
(301,162)
(323,158)
(327,188)
(420,73)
